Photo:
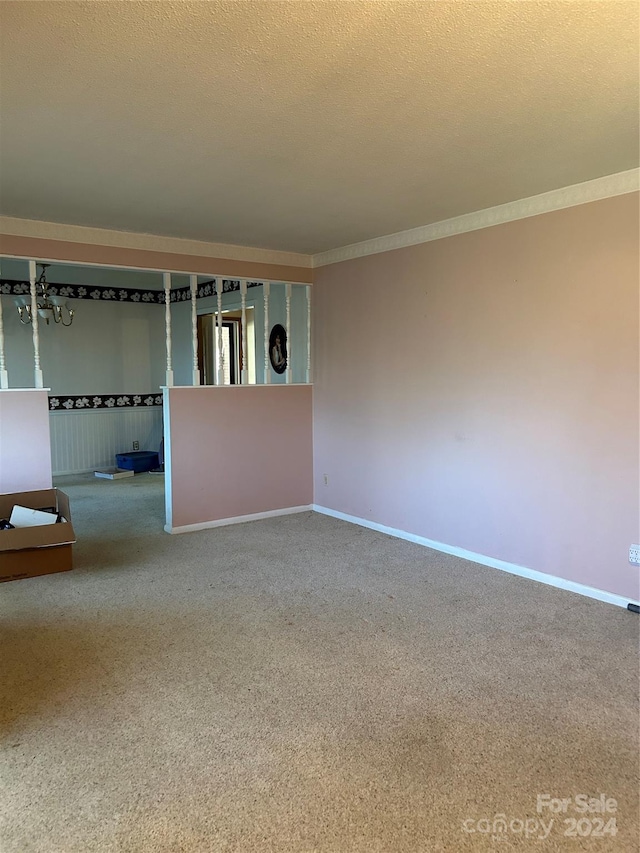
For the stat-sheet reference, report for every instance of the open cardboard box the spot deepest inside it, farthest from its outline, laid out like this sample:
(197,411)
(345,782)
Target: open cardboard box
(27,552)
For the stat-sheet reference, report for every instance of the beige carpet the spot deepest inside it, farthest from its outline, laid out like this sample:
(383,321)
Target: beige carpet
(301,684)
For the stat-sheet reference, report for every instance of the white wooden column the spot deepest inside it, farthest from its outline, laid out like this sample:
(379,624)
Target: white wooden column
(35,330)
(243,304)
(195,371)
(308,372)
(4,378)
(219,324)
(266,287)
(287,291)
(166,278)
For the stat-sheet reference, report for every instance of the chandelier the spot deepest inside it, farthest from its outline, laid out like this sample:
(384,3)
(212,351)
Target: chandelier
(50,306)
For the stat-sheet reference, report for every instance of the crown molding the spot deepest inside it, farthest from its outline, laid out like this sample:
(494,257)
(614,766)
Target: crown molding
(606,187)
(151,242)
(599,188)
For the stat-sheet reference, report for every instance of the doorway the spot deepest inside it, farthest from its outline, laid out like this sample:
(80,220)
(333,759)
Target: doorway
(232,347)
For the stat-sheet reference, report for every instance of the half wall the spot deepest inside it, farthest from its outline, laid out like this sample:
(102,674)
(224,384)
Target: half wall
(236,451)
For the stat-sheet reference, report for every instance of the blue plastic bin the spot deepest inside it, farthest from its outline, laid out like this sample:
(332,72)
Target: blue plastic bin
(138,460)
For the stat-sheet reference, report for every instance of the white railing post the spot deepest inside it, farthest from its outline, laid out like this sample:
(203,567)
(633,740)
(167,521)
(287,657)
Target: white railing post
(195,372)
(4,377)
(35,330)
(166,278)
(287,289)
(308,373)
(267,372)
(219,323)
(243,302)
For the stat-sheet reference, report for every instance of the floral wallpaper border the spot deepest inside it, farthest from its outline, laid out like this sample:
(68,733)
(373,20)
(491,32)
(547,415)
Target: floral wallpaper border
(69,402)
(11,287)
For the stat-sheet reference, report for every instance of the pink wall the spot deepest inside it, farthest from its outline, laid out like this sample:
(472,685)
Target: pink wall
(239,450)
(90,253)
(25,448)
(482,391)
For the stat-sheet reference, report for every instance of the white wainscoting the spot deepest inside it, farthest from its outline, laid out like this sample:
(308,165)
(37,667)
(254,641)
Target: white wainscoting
(88,439)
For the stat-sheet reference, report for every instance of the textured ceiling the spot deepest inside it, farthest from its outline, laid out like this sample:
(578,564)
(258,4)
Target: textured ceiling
(307,125)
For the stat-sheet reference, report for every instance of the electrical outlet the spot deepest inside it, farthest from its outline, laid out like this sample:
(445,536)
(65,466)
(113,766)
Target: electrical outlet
(634,554)
(136,445)
(326,480)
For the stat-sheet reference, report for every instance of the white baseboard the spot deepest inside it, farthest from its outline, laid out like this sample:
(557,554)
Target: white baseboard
(238,519)
(511,568)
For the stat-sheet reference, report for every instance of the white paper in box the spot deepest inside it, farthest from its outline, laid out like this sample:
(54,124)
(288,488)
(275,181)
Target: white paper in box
(23,516)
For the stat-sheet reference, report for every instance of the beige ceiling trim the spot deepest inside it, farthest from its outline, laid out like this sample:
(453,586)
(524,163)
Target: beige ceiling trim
(606,187)
(599,188)
(149,242)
